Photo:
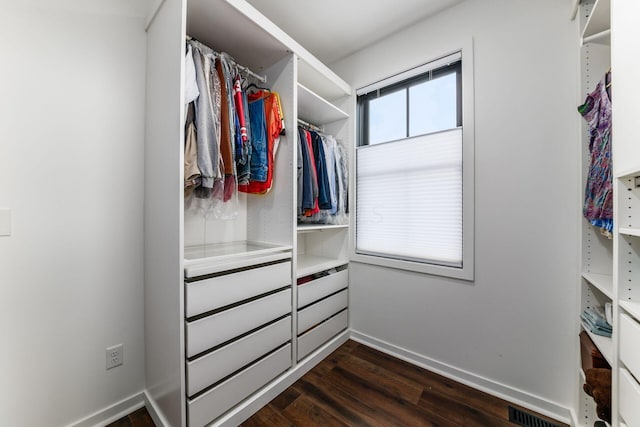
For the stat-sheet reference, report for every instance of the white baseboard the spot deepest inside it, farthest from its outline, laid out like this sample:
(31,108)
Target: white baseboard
(518,397)
(114,412)
(574,419)
(236,416)
(254,403)
(152,409)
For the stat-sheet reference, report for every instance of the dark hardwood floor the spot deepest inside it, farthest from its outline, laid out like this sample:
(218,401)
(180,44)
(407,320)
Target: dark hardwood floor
(139,418)
(359,386)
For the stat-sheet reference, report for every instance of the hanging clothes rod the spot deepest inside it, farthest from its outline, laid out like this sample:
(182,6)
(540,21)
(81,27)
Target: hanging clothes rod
(309,125)
(261,79)
(256,76)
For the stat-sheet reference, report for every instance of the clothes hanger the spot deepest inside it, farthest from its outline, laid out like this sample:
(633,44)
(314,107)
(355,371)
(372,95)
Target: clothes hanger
(255,86)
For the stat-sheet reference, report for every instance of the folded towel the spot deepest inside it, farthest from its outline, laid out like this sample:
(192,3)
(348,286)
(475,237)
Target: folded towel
(596,318)
(598,330)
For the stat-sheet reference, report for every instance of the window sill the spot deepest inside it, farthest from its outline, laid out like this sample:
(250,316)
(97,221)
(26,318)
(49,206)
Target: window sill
(464,273)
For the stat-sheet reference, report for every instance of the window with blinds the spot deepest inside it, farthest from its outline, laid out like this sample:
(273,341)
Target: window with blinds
(410,169)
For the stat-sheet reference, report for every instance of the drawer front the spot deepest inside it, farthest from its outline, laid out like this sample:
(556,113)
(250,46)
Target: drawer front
(210,294)
(216,329)
(321,334)
(214,366)
(630,344)
(320,288)
(629,398)
(318,312)
(215,402)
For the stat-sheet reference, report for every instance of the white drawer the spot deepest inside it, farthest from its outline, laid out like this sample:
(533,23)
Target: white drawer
(218,328)
(629,398)
(215,402)
(216,365)
(322,310)
(630,344)
(320,288)
(321,334)
(206,295)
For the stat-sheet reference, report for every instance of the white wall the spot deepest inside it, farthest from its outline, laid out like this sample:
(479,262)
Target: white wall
(515,326)
(71,171)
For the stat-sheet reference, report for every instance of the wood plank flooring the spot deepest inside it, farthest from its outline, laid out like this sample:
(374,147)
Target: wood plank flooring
(359,386)
(139,418)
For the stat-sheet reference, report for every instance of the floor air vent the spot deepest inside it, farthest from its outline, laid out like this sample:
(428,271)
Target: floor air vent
(527,420)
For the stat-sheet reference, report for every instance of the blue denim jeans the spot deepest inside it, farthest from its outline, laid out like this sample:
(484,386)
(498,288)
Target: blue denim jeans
(259,163)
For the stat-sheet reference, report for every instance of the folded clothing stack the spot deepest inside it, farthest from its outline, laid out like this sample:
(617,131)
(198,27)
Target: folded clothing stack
(595,322)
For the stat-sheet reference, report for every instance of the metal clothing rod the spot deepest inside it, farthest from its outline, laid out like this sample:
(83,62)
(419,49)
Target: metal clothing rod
(309,125)
(261,79)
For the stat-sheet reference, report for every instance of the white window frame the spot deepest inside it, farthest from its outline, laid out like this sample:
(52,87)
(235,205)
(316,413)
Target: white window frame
(466,272)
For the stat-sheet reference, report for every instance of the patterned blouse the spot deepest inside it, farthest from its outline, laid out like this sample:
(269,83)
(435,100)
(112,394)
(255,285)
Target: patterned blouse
(598,196)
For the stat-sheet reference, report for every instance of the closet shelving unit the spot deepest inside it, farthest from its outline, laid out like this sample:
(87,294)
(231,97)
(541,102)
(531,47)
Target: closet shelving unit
(628,292)
(602,49)
(626,166)
(597,283)
(321,246)
(322,251)
(598,26)
(226,326)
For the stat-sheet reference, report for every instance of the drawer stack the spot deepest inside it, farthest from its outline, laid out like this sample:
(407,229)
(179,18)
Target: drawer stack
(322,308)
(629,387)
(238,335)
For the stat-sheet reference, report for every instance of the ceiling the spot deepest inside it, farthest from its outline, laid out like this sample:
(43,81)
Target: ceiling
(334,29)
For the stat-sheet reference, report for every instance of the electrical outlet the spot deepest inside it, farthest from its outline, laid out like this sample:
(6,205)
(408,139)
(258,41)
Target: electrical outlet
(115,356)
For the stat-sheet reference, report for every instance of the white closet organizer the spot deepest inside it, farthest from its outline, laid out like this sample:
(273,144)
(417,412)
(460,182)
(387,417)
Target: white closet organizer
(321,249)
(611,269)
(226,326)
(626,167)
(597,282)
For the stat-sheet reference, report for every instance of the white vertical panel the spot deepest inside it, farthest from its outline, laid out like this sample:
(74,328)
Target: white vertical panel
(163,213)
(625,69)
(270,217)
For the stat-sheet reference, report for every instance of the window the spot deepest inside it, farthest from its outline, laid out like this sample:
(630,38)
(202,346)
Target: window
(414,172)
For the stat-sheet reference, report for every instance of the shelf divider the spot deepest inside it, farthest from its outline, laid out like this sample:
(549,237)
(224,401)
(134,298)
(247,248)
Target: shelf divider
(602,282)
(316,110)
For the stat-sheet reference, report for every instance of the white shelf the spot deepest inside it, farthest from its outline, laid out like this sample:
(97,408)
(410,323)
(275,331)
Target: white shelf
(633,308)
(256,42)
(304,228)
(602,282)
(599,19)
(314,109)
(212,258)
(629,231)
(603,37)
(310,264)
(628,173)
(321,79)
(229,250)
(604,344)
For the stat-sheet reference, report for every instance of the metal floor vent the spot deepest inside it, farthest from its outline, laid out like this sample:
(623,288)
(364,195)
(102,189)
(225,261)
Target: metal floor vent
(527,420)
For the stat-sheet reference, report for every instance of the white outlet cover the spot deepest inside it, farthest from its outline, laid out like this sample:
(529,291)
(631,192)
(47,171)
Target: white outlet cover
(114,356)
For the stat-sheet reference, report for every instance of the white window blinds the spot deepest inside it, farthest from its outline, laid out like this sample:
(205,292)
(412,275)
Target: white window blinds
(409,198)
